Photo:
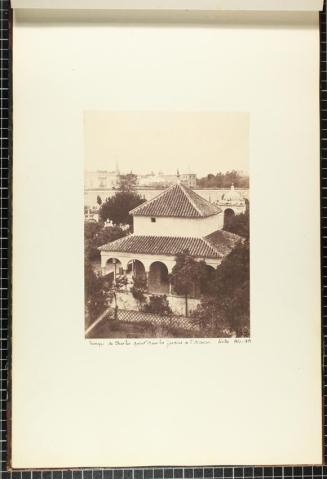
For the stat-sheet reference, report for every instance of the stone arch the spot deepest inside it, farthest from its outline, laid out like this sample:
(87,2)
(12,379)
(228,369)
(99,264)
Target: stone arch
(158,282)
(135,268)
(229,214)
(113,266)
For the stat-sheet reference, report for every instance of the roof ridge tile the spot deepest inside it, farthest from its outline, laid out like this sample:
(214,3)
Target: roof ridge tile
(177,201)
(190,199)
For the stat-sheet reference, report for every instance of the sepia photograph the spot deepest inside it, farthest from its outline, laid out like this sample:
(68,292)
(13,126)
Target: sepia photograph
(166,225)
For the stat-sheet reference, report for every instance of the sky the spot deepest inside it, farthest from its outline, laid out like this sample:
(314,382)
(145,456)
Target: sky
(192,142)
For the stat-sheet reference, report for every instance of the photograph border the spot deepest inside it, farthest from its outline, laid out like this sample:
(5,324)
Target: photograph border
(149,225)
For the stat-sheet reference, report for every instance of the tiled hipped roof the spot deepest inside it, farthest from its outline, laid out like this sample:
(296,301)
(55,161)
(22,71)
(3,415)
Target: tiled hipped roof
(223,241)
(215,247)
(177,201)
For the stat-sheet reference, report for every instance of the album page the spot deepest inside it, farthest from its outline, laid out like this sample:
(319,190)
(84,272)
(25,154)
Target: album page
(166,251)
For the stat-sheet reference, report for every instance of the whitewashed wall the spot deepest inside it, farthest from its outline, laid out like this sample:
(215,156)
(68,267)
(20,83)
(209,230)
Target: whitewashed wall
(193,227)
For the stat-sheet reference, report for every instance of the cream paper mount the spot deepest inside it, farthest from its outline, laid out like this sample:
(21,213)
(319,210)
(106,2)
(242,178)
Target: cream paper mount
(103,404)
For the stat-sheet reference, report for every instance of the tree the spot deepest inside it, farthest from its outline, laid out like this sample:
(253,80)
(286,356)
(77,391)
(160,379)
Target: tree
(239,224)
(228,304)
(98,292)
(117,207)
(118,283)
(99,200)
(205,278)
(140,286)
(95,235)
(187,276)
(212,318)
(224,180)
(158,305)
(127,182)
(234,270)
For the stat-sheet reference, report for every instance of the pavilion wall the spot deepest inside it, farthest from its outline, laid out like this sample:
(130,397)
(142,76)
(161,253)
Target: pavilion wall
(179,227)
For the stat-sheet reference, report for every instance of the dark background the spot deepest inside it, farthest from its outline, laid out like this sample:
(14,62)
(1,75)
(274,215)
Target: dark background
(5,295)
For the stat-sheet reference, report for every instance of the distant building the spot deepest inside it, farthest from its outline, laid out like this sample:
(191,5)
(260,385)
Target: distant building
(91,215)
(233,200)
(188,179)
(102,179)
(161,180)
(231,203)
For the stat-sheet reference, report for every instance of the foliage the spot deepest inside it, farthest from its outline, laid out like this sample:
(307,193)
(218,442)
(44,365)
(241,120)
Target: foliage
(211,319)
(224,180)
(95,235)
(127,182)
(158,305)
(205,279)
(119,283)
(99,200)
(187,276)
(184,274)
(117,207)
(139,287)
(228,305)
(98,292)
(239,224)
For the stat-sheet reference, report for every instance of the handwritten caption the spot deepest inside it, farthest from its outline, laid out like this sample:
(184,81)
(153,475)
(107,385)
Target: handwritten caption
(102,343)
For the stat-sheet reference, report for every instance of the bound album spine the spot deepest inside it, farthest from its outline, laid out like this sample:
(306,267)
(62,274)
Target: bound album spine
(190,5)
